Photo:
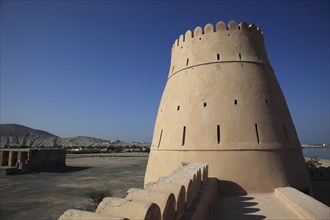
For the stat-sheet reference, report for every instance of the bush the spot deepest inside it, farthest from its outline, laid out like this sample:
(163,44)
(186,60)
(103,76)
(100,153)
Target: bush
(313,162)
(97,195)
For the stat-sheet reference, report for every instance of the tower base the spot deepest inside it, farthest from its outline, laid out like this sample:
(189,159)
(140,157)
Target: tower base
(238,171)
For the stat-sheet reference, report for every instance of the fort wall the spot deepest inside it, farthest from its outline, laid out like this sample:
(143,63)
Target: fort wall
(31,159)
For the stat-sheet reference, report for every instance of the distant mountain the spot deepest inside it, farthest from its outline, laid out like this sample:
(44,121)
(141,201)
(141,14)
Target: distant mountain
(19,135)
(14,135)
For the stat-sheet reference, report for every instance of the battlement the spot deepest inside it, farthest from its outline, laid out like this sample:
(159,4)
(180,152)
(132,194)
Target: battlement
(224,43)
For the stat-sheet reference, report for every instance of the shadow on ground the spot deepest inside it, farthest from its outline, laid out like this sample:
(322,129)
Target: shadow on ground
(238,207)
(63,169)
(234,203)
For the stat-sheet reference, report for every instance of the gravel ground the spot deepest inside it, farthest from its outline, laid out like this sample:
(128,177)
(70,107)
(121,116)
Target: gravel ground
(46,195)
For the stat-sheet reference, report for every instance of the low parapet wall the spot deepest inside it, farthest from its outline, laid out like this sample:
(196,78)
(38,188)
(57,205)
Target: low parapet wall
(187,193)
(306,206)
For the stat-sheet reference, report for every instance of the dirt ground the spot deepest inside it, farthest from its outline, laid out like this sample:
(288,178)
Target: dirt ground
(46,195)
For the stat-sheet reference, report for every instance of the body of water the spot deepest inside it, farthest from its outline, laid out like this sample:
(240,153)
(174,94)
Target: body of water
(321,153)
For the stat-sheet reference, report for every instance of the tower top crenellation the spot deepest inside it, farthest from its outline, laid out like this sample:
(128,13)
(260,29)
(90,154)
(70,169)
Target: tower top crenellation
(220,27)
(223,43)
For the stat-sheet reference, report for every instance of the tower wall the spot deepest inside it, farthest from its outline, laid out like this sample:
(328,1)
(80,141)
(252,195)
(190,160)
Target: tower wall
(222,105)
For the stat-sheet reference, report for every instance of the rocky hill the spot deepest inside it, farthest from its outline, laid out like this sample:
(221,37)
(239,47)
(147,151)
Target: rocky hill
(14,135)
(19,135)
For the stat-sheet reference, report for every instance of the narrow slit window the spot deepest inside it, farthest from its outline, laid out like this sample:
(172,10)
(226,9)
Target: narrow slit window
(235,102)
(257,133)
(205,104)
(184,135)
(286,134)
(160,138)
(218,133)
(178,108)
(267,102)
(187,62)
(218,56)
(240,56)
(259,58)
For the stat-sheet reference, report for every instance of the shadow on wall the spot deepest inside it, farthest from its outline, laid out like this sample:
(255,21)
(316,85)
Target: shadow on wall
(234,204)
(230,188)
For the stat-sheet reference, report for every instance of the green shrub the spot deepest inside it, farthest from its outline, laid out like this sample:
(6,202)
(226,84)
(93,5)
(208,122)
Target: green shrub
(313,162)
(97,195)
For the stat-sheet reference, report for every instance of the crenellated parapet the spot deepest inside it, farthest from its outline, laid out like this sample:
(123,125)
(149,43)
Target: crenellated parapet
(187,193)
(223,43)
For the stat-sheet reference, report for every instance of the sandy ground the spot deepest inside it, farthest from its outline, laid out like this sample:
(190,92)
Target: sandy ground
(325,163)
(47,195)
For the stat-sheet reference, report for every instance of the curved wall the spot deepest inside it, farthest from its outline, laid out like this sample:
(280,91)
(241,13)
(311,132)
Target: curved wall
(222,105)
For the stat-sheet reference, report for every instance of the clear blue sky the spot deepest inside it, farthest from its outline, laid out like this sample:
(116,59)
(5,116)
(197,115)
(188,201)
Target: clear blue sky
(98,68)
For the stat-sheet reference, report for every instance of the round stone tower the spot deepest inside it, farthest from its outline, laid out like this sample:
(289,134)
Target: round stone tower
(222,105)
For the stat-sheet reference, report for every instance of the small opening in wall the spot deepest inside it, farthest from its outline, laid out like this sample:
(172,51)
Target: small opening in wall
(181,47)
(267,102)
(235,102)
(228,34)
(205,104)
(240,56)
(286,134)
(257,133)
(239,27)
(187,62)
(218,56)
(218,133)
(160,138)
(209,207)
(183,135)
(200,38)
(178,108)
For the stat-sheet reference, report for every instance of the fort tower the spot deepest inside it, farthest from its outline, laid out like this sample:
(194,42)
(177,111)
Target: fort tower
(222,105)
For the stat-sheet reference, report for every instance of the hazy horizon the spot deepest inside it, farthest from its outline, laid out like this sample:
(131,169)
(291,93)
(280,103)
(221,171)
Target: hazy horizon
(98,68)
